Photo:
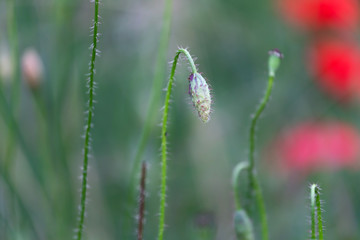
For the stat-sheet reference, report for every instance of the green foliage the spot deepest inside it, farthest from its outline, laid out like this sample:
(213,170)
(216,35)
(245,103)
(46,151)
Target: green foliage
(40,131)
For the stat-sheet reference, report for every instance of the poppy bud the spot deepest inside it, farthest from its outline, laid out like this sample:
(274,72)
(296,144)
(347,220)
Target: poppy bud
(32,68)
(200,96)
(274,61)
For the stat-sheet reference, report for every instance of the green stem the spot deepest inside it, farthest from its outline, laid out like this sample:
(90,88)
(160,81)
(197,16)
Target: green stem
(313,212)
(319,218)
(240,167)
(164,137)
(316,212)
(160,69)
(253,181)
(88,127)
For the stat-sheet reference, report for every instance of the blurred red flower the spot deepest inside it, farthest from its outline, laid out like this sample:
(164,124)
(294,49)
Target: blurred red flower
(319,14)
(336,66)
(312,146)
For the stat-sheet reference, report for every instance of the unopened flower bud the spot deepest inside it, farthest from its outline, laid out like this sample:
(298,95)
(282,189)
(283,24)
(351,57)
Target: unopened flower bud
(32,68)
(274,61)
(243,226)
(200,96)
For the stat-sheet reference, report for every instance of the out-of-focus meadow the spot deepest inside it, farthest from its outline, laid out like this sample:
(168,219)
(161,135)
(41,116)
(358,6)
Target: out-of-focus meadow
(308,133)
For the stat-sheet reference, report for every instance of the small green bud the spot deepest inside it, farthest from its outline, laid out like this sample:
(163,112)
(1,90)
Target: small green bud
(274,61)
(200,96)
(243,226)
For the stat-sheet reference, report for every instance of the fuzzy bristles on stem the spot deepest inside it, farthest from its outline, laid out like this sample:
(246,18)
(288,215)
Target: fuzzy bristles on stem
(89,125)
(316,218)
(202,104)
(254,187)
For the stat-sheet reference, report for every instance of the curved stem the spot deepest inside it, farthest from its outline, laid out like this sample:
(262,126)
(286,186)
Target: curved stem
(240,167)
(164,137)
(254,120)
(89,122)
(253,181)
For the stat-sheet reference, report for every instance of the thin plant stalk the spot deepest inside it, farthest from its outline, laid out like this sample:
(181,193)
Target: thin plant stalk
(242,223)
(254,185)
(240,167)
(253,180)
(90,111)
(316,218)
(164,137)
(313,211)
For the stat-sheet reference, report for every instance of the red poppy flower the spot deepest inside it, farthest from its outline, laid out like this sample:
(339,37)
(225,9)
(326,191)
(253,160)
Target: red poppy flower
(312,146)
(319,14)
(336,66)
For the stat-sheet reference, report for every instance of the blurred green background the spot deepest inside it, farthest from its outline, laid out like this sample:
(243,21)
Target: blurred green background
(230,40)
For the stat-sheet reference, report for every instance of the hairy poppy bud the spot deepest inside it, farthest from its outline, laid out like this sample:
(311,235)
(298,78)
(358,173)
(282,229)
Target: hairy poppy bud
(200,96)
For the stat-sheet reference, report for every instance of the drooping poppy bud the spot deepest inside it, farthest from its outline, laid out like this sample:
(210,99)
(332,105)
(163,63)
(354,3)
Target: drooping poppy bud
(200,96)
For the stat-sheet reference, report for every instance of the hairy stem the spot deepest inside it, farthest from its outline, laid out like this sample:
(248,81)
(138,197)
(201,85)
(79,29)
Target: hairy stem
(254,185)
(90,110)
(313,211)
(253,180)
(164,137)
(316,218)
(319,218)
